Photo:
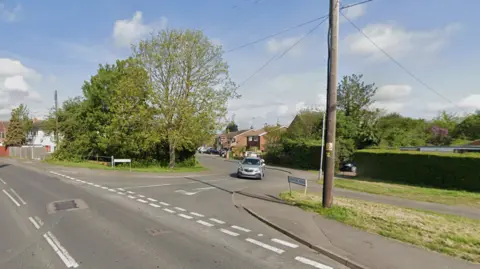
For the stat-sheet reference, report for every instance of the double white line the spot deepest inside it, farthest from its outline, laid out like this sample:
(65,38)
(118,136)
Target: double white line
(60,250)
(13,199)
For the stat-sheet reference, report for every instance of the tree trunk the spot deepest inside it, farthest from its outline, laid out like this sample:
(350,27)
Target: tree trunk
(171,149)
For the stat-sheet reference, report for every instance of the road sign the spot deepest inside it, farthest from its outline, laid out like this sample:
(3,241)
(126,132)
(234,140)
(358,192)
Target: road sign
(298,181)
(114,161)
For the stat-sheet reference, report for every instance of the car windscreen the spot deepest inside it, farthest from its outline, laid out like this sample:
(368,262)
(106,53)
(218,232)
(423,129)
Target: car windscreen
(251,161)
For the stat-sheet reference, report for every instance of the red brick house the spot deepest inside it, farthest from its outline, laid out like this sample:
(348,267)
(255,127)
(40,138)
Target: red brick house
(233,139)
(3,131)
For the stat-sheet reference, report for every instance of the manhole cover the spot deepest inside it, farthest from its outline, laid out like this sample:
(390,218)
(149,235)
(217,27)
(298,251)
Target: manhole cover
(155,231)
(66,205)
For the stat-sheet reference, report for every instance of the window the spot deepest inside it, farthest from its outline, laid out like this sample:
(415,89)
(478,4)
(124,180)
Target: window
(249,139)
(255,138)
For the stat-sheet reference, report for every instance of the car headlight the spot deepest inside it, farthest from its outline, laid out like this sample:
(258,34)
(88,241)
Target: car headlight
(240,168)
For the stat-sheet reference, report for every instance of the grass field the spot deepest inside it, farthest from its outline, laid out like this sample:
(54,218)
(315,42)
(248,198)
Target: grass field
(448,234)
(151,169)
(449,197)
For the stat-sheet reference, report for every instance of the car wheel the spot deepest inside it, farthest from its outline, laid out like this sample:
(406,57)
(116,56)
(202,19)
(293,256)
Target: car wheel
(238,175)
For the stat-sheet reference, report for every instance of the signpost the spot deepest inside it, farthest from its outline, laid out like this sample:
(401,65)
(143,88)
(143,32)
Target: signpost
(122,161)
(298,181)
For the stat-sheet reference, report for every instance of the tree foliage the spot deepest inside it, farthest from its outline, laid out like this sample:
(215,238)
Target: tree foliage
(231,127)
(19,127)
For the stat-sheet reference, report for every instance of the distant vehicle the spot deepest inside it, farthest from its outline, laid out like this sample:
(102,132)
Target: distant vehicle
(251,154)
(348,167)
(211,151)
(202,150)
(251,167)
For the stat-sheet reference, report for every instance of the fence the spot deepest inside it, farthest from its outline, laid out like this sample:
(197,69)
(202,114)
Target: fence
(28,152)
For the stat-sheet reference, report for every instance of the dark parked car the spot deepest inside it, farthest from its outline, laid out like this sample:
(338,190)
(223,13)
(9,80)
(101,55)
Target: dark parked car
(348,167)
(212,151)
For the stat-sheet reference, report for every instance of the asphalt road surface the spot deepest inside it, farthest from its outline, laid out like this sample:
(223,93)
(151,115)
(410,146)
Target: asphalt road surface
(53,217)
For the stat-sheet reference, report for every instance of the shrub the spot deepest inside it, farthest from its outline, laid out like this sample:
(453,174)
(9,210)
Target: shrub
(443,170)
(296,153)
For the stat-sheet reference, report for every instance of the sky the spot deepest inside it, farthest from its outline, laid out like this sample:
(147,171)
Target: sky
(57,45)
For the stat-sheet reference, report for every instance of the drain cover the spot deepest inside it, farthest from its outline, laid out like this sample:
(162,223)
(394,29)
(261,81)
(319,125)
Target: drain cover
(66,205)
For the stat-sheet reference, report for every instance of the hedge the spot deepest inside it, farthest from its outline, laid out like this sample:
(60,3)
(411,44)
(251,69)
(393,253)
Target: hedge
(442,170)
(303,154)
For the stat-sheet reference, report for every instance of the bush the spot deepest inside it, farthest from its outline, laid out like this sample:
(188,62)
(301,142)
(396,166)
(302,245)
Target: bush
(304,154)
(442,170)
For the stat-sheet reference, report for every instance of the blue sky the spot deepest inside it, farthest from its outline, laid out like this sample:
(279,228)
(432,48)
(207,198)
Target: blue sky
(47,45)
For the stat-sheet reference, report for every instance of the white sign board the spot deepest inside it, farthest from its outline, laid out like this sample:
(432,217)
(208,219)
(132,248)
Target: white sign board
(123,160)
(297,181)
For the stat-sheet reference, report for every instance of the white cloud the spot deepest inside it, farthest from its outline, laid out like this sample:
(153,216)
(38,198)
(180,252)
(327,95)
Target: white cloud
(16,83)
(282,110)
(300,106)
(470,102)
(353,13)
(9,15)
(128,31)
(398,41)
(391,106)
(280,45)
(392,92)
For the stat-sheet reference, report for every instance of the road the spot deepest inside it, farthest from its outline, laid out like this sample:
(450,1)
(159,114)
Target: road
(53,217)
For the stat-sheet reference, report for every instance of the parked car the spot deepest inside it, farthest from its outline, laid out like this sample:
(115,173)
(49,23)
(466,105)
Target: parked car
(251,167)
(202,150)
(348,167)
(212,151)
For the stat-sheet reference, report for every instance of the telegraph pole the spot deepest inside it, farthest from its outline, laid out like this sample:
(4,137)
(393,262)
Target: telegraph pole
(56,117)
(331,109)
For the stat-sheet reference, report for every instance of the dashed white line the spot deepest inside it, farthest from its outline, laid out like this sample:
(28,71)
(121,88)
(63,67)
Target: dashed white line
(217,221)
(260,235)
(11,198)
(34,222)
(240,228)
(265,246)
(81,181)
(90,183)
(112,190)
(52,172)
(285,243)
(208,224)
(121,193)
(104,187)
(18,196)
(169,210)
(154,205)
(228,232)
(39,221)
(96,185)
(151,199)
(60,250)
(180,209)
(165,204)
(141,196)
(1,180)
(197,214)
(131,197)
(121,189)
(142,201)
(131,192)
(185,216)
(312,263)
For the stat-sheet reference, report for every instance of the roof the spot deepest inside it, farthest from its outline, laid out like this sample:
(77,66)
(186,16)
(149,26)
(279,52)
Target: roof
(233,134)
(256,132)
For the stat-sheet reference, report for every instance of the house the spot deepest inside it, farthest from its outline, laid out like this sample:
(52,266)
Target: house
(38,137)
(3,132)
(258,140)
(233,139)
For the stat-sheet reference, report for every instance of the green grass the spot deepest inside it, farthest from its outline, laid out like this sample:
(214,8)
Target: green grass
(452,235)
(151,169)
(433,195)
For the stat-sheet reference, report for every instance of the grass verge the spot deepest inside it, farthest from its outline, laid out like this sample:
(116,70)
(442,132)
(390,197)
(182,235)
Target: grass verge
(448,234)
(151,169)
(433,195)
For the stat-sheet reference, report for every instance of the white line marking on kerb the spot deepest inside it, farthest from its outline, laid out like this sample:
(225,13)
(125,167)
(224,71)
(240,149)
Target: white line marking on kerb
(1,180)
(285,243)
(34,222)
(151,199)
(18,196)
(142,201)
(217,221)
(265,246)
(165,204)
(197,214)
(11,198)
(169,210)
(208,224)
(180,209)
(312,263)
(228,232)
(185,216)
(154,205)
(60,250)
(240,228)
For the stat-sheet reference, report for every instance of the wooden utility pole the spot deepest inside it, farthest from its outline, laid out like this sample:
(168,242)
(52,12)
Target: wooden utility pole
(331,104)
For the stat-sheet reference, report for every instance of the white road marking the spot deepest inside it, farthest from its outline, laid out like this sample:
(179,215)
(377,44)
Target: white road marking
(240,228)
(131,192)
(121,193)
(154,205)
(205,188)
(96,185)
(312,263)
(185,216)
(265,246)
(81,181)
(208,224)
(39,221)
(34,222)
(285,243)
(151,199)
(197,214)
(90,183)
(142,201)
(169,210)
(60,250)
(131,197)
(1,180)
(104,188)
(260,234)
(18,196)
(180,209)
(52,172)
(146,186)
(185,192)
(217,221)
(141,196)
(11,198)
(112,190)
(164,204)
(121,189)
(228,232)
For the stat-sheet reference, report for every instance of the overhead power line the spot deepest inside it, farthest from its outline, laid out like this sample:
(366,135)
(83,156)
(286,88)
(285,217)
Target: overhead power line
(411,74)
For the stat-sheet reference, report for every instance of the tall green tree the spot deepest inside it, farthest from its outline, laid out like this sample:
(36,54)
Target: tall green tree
(469,128)
(394,130)
(15,133)
(22,114)
(191,86)
(231,127)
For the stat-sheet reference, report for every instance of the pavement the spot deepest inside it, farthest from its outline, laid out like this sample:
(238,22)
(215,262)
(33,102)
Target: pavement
(184,220)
